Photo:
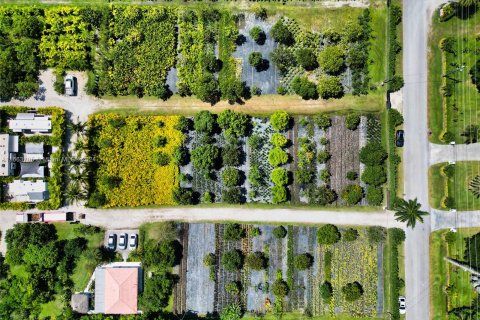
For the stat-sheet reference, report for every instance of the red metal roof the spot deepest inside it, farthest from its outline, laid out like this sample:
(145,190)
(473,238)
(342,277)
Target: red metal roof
(121,290)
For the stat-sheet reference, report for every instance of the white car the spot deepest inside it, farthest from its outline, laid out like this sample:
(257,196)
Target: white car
(122,242)
(133,242)
(403,304)
(70,85)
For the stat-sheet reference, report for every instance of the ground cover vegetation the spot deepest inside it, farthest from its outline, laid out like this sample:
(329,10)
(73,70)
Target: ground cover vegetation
(453,289)
(130,167)
(454,186)
(453,75)
(251,274)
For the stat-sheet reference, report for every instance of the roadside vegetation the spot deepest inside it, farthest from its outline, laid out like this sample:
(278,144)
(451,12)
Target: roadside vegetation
(453,75)
(455,186)
(453,293)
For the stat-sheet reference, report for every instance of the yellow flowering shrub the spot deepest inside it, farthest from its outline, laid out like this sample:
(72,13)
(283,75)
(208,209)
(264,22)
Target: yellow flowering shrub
(126,151)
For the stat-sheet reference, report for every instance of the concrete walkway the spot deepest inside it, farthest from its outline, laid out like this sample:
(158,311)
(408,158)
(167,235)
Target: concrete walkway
(457,152)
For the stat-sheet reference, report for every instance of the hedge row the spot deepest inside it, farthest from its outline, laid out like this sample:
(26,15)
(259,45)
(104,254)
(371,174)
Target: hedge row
(395,82)
(395,238)
(394,119)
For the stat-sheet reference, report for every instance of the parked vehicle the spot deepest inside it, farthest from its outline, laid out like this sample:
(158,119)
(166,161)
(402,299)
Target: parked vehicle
(70,85)
(112,241)
(45,217)
(133,242)
(399,138)
(122,242)
(403,304)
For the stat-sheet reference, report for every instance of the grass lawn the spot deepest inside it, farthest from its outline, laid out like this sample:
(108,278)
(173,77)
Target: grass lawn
(465,171)
(378,43)
(83,270)
(261,105)
(465,96)
(52,309)
(443,274)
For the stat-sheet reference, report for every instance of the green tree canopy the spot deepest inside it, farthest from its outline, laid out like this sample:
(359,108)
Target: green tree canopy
(329,87)
(233,123)
(373,154)
(281,34)
(306,58)
(204,122)
(332,59)
(409,212)
(304,88)
(280,120)
(328,234)
(205,157)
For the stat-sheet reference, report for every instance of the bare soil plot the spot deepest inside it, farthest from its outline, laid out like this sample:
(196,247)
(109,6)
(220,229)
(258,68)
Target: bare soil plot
(200,288)
(344,151)
(180,289)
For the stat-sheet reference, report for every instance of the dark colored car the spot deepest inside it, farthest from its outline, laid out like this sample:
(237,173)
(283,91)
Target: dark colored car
(399,138)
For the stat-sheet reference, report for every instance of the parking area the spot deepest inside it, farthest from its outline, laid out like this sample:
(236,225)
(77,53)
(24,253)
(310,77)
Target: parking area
(122,241)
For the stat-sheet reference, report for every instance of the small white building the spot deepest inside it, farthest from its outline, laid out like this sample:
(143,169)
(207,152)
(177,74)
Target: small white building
(8,148)
(27,191)
(30,123)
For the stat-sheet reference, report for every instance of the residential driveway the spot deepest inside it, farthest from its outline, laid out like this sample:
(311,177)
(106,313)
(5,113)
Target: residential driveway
(458,152)
(7,220)
(79,106)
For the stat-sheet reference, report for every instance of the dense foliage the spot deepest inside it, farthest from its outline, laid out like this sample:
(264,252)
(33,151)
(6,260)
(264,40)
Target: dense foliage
(328,234)
(123,148)
(304,88)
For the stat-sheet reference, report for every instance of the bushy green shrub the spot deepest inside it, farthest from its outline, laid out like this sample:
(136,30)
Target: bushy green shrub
(256,260)
(278,140)
(231,177)
(281,34)
(374,175)
(234,232)
(328,234)
(205,157)
(279,194)
(322,120)
(374,195)
(352,194)
(352,121)
(306,58)
(352,175)
(352,291)
(279,232)
(326,291)
(232,195)
(373,154)
(303,261)
(350,234)
(322,195)
(255,59)
(204,122)
(280,288)
(234,124)
(279,176)
(280,120)
(331,59)
(277,157)
(449,170)
(329,87)
(304,88)
(209,260)
(232,260)
(232,287)
(376,234)
(323,156)
(258,35)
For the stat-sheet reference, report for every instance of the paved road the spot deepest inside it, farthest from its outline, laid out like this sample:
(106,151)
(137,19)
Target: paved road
(459,152)
(416,21)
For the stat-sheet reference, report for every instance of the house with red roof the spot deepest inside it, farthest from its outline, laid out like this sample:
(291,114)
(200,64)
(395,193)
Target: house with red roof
(117,286)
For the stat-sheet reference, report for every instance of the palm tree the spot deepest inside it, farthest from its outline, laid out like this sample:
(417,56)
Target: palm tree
(74,193)
(467,3)
(471,133)
(409,212)
(77,127)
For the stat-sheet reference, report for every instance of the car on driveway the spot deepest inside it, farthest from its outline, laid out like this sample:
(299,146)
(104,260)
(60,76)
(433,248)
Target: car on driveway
(112,241)
(403,305)
(133,242)
(70,85)
(399,138)
(122,242)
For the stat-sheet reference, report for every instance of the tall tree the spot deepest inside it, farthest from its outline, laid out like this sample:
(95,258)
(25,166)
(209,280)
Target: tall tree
(409,212)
